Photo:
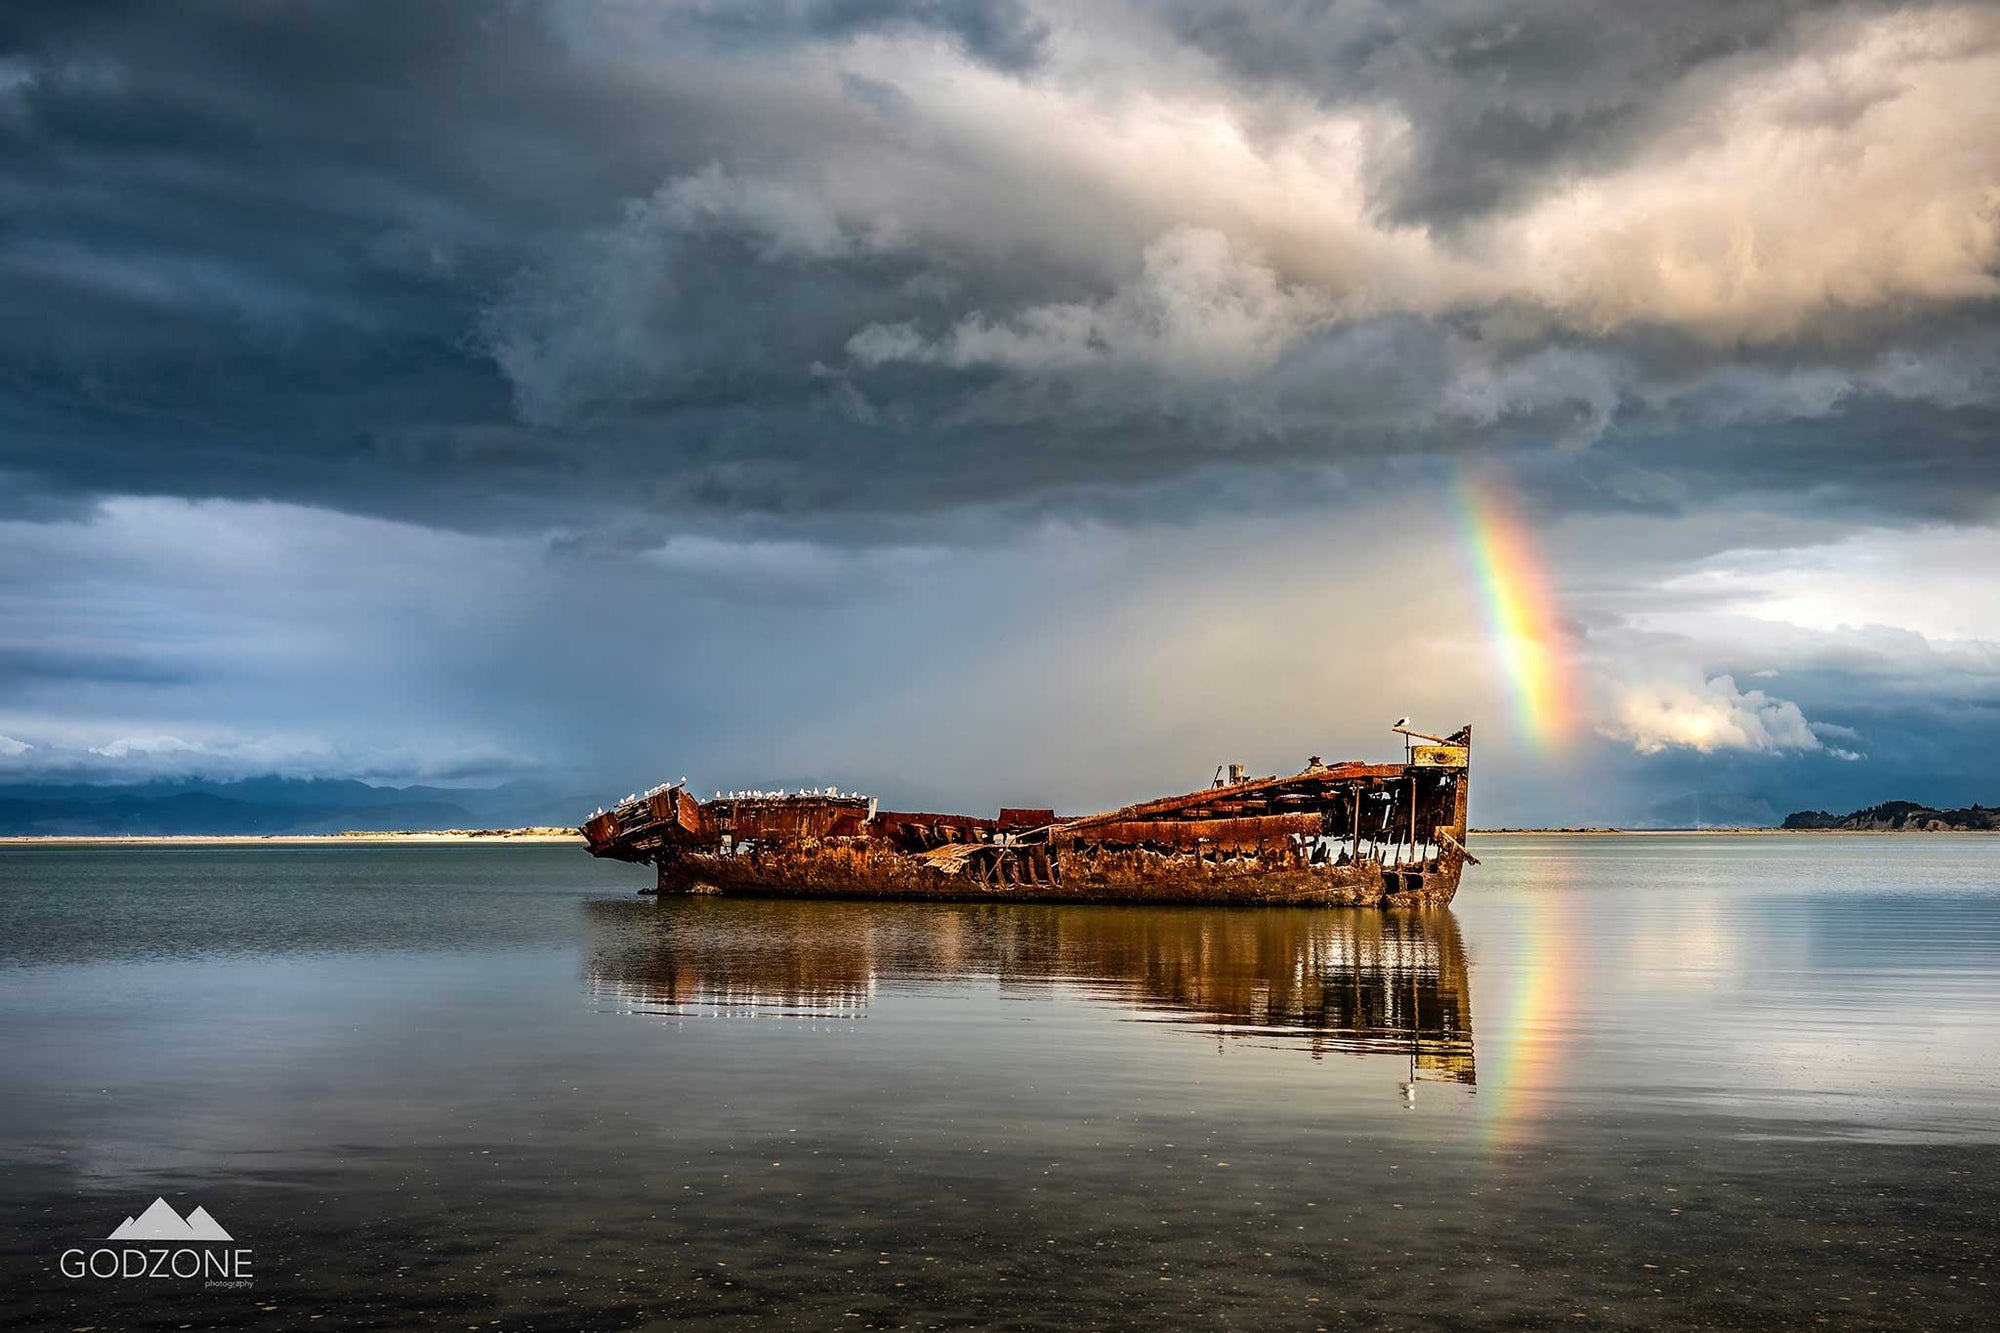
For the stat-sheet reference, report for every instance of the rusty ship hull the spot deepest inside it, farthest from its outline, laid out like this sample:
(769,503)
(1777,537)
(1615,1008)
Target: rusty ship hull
(1331,834)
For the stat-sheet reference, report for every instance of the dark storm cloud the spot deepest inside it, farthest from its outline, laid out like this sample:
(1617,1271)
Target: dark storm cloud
(518,264)
(256,244)
(246,256)
(1500,93)
(1002,33)
(1851,465)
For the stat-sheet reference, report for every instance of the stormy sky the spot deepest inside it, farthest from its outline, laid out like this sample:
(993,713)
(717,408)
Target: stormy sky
(973,402)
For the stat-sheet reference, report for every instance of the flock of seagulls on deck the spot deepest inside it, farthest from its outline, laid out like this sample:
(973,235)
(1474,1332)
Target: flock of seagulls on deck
(650,793)
(782,794)
(746,795)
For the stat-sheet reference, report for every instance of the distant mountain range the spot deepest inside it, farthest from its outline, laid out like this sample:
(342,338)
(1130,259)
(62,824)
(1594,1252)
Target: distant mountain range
(274,805)
(1897,817)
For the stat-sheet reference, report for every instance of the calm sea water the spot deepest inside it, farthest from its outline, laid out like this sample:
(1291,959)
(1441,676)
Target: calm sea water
(1632,1082)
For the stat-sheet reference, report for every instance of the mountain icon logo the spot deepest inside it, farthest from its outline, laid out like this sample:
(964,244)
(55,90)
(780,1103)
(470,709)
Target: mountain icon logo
(161,1222)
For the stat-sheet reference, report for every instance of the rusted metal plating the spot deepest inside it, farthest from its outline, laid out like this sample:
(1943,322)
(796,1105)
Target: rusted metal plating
(1333,833)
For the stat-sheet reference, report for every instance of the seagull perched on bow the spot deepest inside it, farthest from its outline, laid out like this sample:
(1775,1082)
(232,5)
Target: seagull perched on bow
(1401,722)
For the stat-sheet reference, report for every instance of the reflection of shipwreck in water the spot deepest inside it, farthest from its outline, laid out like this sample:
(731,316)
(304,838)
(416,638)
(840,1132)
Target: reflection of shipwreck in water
(1331,833)
(1365,982)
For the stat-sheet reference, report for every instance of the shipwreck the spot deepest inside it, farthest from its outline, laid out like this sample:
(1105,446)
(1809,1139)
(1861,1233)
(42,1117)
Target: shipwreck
(1346,833)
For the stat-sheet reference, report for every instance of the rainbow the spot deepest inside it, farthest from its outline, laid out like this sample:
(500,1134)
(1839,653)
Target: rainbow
(1520,610)
(1524,1037)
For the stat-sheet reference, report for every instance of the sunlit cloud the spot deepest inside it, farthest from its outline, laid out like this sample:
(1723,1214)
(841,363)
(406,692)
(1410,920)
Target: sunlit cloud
(1707,716)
